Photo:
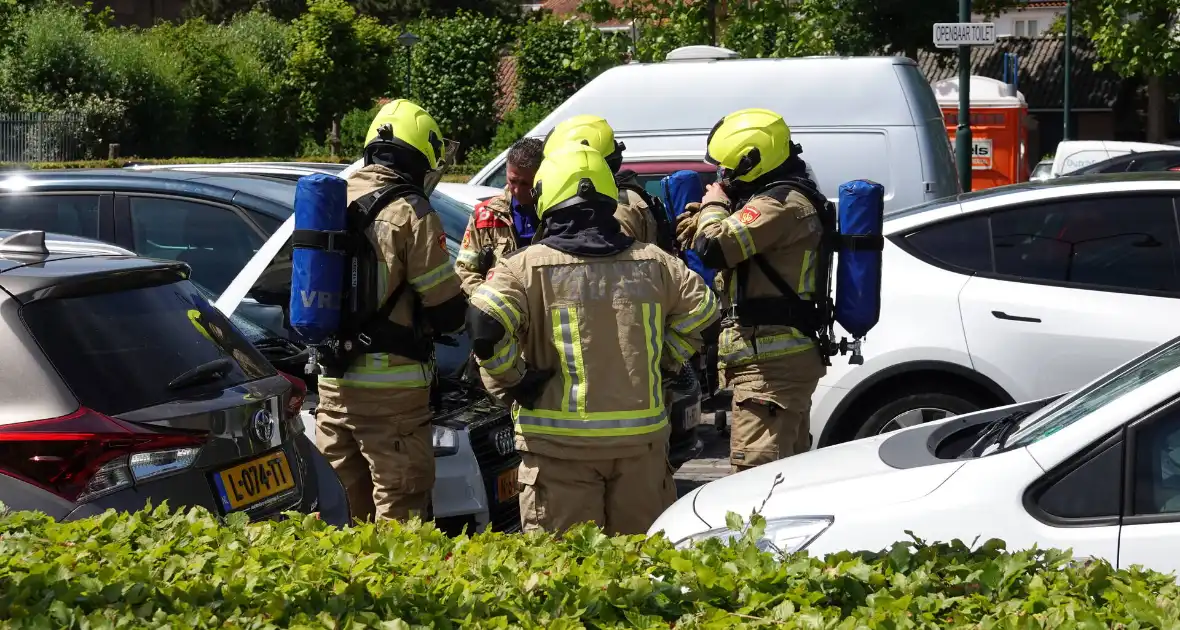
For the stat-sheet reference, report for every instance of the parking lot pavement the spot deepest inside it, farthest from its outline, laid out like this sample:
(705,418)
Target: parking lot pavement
(712,464)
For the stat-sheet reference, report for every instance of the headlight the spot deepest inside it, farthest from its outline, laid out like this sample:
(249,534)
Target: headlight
(781,536)
(446,441)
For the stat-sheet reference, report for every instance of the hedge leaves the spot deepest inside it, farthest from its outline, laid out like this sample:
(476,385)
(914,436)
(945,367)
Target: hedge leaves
(159,569)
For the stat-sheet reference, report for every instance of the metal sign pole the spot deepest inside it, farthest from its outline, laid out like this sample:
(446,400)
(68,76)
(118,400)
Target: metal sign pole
(963,36)
(963,132)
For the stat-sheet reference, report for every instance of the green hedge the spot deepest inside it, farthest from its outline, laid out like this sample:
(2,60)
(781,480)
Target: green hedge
(458,169)
(556,57)
(127,161)
(260,86)
(158,569)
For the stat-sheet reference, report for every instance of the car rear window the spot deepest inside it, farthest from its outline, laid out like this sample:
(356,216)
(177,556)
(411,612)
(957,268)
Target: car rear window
(119,351)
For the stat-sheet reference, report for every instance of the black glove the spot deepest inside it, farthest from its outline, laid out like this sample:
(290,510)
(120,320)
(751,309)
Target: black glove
(487,260)
(526,392)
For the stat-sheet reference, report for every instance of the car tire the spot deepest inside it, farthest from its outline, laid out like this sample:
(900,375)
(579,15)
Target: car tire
(721,422)
(949,402)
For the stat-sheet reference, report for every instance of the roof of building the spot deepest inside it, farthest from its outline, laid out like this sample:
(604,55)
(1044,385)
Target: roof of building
(1041,71)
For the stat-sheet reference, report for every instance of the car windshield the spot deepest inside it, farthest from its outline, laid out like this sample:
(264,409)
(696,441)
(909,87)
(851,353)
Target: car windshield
(1072,408)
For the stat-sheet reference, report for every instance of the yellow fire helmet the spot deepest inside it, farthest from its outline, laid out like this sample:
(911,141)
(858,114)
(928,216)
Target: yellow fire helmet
(592,131)
(749,143)
(572,175)
(409,126)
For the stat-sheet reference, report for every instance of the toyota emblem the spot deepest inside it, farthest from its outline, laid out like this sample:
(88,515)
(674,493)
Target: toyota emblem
(505,441)
(262,425)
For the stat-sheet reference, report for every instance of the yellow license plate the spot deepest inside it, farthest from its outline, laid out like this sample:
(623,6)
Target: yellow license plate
(254,481)
(506,485)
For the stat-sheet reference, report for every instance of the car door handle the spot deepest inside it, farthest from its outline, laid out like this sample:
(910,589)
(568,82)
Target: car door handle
(1015,318)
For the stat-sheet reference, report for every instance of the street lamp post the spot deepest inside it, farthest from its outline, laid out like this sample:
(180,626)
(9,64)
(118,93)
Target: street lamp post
(408,40)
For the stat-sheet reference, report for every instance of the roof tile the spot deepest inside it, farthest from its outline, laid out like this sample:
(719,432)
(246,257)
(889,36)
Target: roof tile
(1041,71)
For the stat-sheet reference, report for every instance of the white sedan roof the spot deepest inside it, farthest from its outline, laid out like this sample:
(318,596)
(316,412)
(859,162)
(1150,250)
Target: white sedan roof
(907,219)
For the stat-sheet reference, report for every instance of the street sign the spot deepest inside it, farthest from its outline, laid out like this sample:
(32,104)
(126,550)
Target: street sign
(955,34)
(981,154)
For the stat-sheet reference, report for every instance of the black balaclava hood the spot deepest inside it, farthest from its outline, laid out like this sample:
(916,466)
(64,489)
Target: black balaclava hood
(408,163)
(586,229)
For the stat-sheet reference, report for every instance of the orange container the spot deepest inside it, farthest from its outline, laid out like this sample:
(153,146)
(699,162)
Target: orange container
(999,129)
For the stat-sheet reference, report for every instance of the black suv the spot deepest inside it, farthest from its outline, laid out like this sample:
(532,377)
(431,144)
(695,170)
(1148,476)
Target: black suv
(123,384)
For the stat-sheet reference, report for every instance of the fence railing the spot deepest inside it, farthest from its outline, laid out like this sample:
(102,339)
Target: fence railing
(40,137)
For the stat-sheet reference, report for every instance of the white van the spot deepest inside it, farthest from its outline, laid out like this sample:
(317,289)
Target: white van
(1077,154)
(855,117)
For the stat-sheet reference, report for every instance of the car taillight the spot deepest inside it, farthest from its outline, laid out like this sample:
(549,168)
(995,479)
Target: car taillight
(85,455)
(298,394)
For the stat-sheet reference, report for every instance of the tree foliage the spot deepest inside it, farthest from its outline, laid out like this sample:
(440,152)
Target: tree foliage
(776,29)
(385,11)
(455,74)
(339,61)
(554,58)
(1134,37)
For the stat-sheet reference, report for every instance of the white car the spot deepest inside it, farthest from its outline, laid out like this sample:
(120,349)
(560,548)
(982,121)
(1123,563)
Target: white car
(1096,471)
(1007,295)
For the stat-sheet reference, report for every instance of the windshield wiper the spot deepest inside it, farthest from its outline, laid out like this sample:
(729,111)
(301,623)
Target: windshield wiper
(204,373)
(996,432)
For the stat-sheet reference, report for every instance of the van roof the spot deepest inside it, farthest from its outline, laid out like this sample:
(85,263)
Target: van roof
(694,95)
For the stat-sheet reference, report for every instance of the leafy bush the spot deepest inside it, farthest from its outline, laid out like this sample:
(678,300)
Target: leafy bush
(339,61)
(129,161)
(515,125)
(455,74)
(157,569)
(53,53)
(146,75)
(555,58)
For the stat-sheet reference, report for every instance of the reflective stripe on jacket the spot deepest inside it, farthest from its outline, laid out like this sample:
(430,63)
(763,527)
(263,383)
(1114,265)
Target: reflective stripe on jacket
(605,326)
(787,236)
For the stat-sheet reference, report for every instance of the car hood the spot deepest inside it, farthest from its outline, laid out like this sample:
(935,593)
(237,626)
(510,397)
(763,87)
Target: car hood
(819,482)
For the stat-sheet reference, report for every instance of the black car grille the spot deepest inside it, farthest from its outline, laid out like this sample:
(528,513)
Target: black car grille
(505,516)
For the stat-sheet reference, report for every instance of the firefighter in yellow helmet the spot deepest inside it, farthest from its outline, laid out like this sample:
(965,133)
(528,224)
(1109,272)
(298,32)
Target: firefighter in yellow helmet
(760,225)
(573,331)
(640,215)
(373,418)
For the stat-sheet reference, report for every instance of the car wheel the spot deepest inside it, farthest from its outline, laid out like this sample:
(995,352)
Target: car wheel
(916,408)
